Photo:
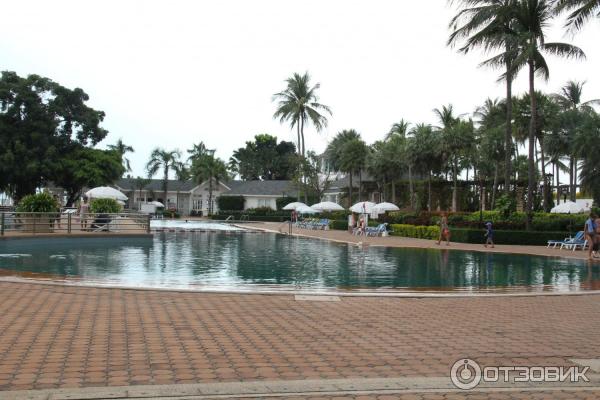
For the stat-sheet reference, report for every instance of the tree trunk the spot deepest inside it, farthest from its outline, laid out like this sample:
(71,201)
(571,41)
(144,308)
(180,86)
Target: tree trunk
(350,190)
(302,136)
(545,201)
(360,185)
(393,191)
(429,192)
(210,192)
(494,188)
(532,130)
(557,185)
(575,162)
(410,187)
(571,179)
(166,187)
(454,187)
(508,132)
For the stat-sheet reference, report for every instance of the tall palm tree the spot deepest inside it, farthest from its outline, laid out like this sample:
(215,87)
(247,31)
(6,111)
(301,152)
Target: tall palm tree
(198,150)
(581,11)
(122,149)
(572,106)
(209,168)
(488,24)
(165,160)
(298,105)
(532,17)
(426,145)
(352,161)
(398,129)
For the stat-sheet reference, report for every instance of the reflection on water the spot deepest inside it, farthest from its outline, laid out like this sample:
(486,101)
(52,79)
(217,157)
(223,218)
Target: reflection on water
(223,260)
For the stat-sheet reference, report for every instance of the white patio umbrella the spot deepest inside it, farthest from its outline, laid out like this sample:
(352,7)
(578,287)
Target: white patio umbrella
(568,208)
(294,206)
(327,206)
(157,203)
(364,207)
(381,208)
(105,192)
(306,210)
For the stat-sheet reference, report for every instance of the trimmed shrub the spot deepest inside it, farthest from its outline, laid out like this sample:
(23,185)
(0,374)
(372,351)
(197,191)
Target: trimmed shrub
(283,201)
(416,231)
(338,224)
(231,202)
(40,202)
(104,206)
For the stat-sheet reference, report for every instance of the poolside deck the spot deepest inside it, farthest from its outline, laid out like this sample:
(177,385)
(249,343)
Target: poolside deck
(90,339)
(395,241)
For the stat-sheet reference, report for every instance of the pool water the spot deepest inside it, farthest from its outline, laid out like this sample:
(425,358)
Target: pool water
(191,224)
(251,261)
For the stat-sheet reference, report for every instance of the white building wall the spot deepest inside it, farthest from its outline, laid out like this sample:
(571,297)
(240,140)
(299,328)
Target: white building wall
(260,201)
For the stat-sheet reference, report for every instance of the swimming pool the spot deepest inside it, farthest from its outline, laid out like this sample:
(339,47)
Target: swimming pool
(253,261)
(160,224)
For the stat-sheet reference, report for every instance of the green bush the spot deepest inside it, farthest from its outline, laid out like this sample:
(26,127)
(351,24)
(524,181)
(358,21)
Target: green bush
(283,201)
(338,224)
(169,214)
(105,206)
(40,202)
(231,202)
(416,231)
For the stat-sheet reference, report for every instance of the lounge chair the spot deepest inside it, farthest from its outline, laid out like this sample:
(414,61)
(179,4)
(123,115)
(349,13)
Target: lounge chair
(101,223)
(376,231)
(577,241)
(554,243)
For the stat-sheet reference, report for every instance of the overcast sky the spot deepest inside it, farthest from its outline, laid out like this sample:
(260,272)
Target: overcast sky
(174,73)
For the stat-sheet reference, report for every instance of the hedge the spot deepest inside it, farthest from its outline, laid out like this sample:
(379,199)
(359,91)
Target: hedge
(462,235)
(261,218)
(231,202)
(338,225)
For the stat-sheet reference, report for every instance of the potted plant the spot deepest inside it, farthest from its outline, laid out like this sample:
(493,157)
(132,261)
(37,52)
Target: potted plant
(38,212)
(102,208)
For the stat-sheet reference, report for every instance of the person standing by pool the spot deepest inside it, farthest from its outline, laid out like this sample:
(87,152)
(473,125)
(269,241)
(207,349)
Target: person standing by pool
(489,234)
(590,233)
(83,211)
(444,230)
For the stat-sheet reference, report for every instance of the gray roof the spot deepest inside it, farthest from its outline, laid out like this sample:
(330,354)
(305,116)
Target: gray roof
(255,188)
(156,185)
(261,188)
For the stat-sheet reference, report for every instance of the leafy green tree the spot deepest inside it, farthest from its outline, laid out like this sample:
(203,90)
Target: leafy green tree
(166,160)
(402,157)
(333,152)
(529,38)
(208,168)
(580,11)
(488,24)
(40,121)
(298,105)
(265,159)
(82,167)
(198,150)
(139,184)
(587,144)
(314,183)
(122,149)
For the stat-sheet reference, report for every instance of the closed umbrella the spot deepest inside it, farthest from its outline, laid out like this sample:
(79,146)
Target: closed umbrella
(327,206)
(294,206)
(364,207)
(105,192)
(383,207)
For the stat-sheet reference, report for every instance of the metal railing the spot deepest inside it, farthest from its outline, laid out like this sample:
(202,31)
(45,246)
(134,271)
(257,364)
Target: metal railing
(69,222)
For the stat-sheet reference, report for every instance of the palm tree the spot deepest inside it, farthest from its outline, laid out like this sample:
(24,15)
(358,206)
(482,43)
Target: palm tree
(570,101)
(122,149)
(165,160)
(426,145)
(398,129)
(352,161)
(140,183)
(298,105)
(488,24)
(529,39)
(209,168)
(581,11)
(198,150)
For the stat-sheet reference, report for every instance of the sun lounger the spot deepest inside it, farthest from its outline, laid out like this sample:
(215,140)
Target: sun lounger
(554,243)
(376,231)
(577,241)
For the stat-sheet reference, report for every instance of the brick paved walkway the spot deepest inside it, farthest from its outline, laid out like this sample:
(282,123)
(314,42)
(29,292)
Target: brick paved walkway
(69,337)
